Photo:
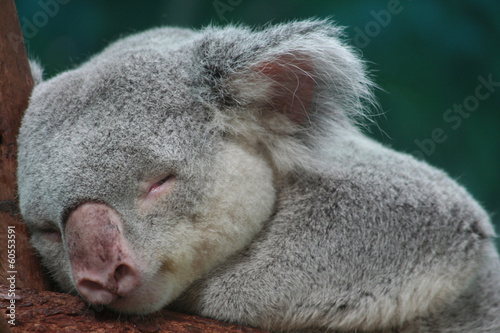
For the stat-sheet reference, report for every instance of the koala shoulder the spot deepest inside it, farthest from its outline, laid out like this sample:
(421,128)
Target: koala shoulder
(392,179)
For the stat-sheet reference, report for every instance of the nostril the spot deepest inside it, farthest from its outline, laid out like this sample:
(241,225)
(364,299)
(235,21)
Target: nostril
(95,293)
(127,279)
(121,272)
(97,289)
(90,285)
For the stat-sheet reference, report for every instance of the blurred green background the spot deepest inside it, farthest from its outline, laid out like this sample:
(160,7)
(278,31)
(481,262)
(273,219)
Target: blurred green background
(432,59)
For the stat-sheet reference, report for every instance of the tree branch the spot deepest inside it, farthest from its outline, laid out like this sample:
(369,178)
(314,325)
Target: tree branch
(46,311)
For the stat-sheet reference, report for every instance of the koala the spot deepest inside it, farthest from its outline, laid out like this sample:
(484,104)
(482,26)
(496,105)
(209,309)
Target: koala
(224,172)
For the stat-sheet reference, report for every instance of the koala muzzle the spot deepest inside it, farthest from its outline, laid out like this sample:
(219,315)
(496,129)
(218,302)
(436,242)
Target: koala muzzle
(103,265)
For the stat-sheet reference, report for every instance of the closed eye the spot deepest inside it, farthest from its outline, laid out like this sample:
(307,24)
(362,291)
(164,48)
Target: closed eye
(50,232)
(161,186)
(153,190)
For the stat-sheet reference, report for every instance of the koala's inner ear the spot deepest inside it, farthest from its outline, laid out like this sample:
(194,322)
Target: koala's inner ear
(292,84)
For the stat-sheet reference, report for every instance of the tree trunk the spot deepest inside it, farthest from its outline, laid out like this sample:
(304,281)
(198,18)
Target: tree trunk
(18,264)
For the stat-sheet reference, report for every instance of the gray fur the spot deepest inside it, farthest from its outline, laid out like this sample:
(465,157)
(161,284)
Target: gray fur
(36,71)
(324,229)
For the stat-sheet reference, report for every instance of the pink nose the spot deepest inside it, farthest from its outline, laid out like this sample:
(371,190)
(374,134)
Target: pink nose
(103,264)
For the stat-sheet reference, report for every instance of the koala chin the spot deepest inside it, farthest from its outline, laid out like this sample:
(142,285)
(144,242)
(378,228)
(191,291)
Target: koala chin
(223,172)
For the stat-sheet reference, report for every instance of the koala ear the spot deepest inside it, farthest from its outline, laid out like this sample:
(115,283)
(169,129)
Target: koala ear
(297,83)
(291,84)
(36,71)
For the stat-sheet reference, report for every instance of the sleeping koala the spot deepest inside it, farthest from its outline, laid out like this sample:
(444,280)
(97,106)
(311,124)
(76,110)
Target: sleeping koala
(222,172)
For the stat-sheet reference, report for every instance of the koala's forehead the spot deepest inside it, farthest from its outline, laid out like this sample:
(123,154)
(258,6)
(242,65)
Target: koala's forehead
(131,94)
(105,123)
(115,86)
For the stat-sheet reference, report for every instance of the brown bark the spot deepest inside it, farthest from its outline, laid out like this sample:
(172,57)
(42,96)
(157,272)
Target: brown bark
(46,311)
(16,84)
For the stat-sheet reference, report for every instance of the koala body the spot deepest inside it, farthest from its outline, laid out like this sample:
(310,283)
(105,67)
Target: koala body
(222,172)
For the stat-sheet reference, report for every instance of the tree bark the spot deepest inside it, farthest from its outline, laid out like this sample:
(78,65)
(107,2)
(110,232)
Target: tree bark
(46,311)
(18,261)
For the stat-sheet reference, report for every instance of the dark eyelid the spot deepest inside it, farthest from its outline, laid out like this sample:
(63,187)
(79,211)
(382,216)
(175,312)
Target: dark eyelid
(46,226)
(163,180)
(49,231)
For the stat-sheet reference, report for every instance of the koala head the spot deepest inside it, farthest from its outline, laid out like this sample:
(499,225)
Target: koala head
(159,158)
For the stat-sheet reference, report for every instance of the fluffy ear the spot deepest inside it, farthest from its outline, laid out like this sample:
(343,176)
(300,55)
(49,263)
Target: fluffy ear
(297,83)
(36,71)
(291,85)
